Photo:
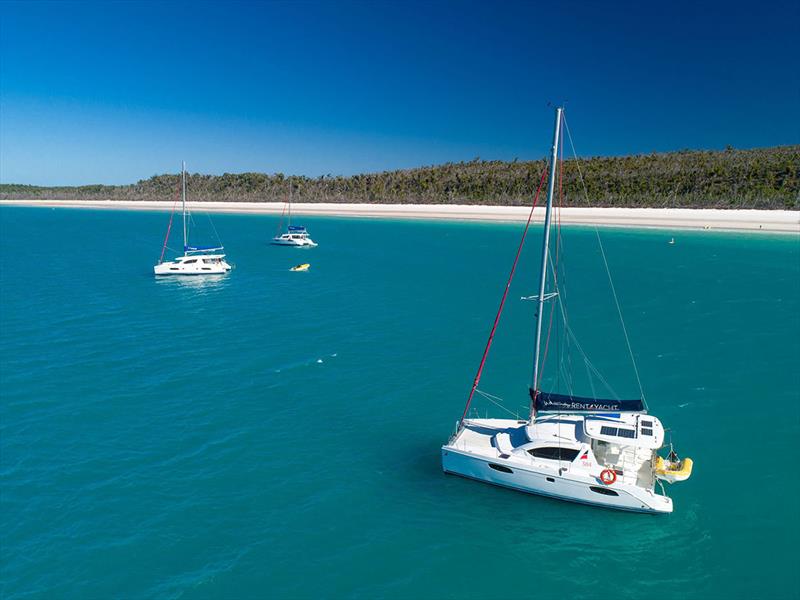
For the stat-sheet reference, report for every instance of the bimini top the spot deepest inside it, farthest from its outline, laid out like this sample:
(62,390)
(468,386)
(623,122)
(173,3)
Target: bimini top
(297,229)
(548,402)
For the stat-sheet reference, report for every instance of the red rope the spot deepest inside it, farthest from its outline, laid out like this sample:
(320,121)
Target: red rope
(169,227)
(503,300)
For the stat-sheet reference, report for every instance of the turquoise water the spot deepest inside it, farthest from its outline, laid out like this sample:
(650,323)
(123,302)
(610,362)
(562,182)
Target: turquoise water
(276,434)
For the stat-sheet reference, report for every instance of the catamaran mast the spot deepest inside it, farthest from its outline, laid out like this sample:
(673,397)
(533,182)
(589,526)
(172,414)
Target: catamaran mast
(545,249)
(291,187)
(183,201)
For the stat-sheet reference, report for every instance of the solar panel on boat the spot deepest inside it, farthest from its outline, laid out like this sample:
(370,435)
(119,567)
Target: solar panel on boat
(620,432)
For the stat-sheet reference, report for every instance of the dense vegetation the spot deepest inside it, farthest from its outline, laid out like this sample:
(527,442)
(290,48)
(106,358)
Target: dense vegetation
(760,178)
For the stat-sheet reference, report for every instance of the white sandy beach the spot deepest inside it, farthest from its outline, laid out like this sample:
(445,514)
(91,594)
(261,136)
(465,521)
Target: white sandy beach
(784,221)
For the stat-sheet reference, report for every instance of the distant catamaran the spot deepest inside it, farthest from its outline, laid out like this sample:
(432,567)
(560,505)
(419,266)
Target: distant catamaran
(196,260)
(589,450)
(295,235)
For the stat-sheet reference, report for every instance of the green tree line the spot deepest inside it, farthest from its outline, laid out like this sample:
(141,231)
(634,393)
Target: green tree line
(766,178)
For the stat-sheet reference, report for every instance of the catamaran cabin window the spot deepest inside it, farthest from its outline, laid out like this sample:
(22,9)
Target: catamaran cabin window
(188,262)
(554,453)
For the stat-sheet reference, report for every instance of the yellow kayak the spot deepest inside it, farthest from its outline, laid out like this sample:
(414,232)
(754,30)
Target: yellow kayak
(672,472)
(303,267)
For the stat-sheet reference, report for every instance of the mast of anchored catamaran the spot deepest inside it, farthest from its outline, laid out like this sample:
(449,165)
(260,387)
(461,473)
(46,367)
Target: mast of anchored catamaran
(183,202)
(545,249)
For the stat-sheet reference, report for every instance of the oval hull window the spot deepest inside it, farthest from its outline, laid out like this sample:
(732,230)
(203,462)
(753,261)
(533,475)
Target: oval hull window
(500,468)
(603,491)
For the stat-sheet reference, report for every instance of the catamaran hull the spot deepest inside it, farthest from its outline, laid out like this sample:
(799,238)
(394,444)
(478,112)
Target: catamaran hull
(293,243)
(509,475)
(164,270)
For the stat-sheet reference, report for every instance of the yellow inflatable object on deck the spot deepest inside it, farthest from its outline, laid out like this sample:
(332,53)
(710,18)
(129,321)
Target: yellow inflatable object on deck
(670,472)
(303,267)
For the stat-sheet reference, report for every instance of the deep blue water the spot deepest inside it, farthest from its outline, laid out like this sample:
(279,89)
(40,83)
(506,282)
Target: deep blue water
(277,434)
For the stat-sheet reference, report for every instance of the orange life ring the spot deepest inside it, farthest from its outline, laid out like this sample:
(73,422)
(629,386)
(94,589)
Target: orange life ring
(607,476)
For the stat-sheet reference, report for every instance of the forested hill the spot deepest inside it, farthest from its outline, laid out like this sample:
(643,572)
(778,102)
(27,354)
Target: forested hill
(759,178)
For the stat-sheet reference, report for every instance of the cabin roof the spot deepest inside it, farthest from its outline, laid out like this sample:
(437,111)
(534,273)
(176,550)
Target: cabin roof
(622,429)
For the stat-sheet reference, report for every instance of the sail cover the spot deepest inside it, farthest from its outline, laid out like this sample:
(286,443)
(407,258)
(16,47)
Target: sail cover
(546,401)
(201,248)
(297,228)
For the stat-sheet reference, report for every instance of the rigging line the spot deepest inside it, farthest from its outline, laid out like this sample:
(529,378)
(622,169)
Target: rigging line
(570,335)
(488,395)
(280,223)
(503,299)
(491,398)
(591,383)
(169,227)
(291,187)
(191,226)
(214,228)
(589,363)
(608,270)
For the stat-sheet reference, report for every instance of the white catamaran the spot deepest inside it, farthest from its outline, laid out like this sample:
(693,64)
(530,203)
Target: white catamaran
(588,450)
(196,260)
(295,235)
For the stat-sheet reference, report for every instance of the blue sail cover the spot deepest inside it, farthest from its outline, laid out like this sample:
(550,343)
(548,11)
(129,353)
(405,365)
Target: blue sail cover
(201,248)
(297,228)
(546,401)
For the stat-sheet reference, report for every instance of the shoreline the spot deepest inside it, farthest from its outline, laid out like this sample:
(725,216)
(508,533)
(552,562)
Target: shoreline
(770,221)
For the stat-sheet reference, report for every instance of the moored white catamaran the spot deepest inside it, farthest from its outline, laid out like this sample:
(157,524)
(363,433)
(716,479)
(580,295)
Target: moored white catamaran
(295,235)
(196,260)
(582,449)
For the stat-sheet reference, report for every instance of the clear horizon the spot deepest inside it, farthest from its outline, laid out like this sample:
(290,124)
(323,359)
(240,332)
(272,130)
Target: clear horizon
(115,93)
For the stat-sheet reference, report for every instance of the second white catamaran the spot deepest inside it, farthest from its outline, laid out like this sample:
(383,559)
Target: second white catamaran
(589,450)
(295,235)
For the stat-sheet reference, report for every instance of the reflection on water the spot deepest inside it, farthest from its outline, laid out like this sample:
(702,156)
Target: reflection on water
(206,283)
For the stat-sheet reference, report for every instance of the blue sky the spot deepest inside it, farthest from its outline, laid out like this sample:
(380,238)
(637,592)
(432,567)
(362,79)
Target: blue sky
(116,92)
